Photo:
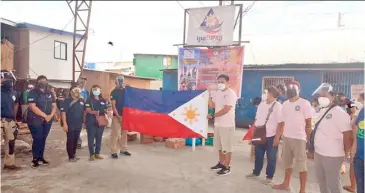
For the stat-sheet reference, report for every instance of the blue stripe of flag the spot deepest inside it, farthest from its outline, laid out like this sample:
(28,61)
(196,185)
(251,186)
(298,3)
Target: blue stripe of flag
(157,101)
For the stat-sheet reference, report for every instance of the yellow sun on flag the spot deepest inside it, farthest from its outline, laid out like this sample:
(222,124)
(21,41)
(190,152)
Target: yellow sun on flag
(191,114)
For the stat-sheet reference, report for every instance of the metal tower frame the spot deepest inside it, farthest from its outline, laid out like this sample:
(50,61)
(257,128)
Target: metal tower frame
(81,26)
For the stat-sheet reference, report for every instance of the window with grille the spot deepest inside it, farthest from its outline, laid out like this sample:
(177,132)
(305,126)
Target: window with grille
(268,81)
(342,81)
(60,50)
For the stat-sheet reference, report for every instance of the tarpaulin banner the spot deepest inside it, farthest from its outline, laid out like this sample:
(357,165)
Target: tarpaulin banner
(198,69)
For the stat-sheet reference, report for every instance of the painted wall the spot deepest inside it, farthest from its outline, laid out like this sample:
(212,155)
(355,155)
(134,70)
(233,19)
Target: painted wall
(252,87)
(150,66)
(41,56)
(169,81)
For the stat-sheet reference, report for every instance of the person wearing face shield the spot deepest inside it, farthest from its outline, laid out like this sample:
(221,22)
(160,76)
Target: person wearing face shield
(268,115)
(295,121)
(118,136)
(331,140)
(84,94)
(95,106)
(72,110)
(9,128)
(224,102)
(42,108)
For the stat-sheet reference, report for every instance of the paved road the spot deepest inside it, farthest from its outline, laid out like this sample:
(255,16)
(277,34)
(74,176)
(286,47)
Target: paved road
(152,169)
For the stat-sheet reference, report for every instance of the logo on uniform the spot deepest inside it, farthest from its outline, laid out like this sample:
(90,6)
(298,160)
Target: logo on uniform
(49,96)
(297,108)
(13,97)
(329,116)
(81,103)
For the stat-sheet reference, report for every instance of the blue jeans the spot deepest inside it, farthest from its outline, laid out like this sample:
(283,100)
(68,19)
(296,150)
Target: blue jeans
(359,174)
(39,134)
(271,158)
(94,134)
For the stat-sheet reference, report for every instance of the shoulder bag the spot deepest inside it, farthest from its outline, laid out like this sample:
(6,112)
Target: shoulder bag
(101,120)
(313,133)
(259,133)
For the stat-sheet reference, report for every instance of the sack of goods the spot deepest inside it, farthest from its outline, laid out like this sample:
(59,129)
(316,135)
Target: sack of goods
(175,143)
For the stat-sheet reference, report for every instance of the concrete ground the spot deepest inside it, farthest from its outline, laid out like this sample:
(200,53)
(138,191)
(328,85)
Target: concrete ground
(152,168)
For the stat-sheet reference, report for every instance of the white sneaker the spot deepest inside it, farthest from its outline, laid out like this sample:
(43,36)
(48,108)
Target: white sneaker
(267,181)
(252,176)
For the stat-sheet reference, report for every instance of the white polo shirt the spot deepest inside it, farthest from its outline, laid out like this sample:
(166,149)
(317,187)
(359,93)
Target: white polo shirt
(294,114)
(274,119)
(328,140)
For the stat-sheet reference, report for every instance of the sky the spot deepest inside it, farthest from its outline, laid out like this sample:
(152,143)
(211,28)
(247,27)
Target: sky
(278,31)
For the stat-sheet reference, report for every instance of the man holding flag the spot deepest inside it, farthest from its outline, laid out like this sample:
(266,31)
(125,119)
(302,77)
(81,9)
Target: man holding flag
(224,101)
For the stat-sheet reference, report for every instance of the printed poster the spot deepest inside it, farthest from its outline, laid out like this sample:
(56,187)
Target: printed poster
(211,26)
(199,68)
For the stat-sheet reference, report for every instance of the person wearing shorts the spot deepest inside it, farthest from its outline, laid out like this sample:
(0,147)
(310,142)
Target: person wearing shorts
(296,116)
(224,101)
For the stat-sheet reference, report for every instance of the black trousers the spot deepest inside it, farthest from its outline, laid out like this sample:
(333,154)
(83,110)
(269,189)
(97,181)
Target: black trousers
(71,144)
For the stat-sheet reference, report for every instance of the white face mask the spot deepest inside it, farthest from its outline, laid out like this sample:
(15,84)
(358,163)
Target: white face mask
(264,97)
(221,86)
(324,101)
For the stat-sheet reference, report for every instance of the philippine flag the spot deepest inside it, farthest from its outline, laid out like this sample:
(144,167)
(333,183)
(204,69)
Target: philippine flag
(176,114)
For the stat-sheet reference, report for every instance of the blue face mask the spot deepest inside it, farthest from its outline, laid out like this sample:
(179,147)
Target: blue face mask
(281,98)
(96,92)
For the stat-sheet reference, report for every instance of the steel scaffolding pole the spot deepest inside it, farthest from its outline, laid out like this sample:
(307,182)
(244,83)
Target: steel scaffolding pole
(81,11)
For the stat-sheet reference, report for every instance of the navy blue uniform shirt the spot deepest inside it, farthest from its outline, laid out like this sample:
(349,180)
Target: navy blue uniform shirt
(43,101)
(117,95)
(74,112)
(95,105)
(8,99)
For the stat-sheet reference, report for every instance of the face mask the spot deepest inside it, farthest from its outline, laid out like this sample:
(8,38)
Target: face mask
(324,101)
(221,86)
(7,84)
(42,85)
(263,97)
(96,92)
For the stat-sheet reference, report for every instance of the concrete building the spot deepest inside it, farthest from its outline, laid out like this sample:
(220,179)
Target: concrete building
(150,65)
(40,50)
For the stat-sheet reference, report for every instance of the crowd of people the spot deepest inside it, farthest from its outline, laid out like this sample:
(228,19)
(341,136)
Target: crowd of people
(336,136)
(78,109)
(282,118)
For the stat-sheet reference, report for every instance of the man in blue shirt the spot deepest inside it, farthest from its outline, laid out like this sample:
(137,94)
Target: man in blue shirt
(359,155)
(9,128)
(118,136)
(81,82)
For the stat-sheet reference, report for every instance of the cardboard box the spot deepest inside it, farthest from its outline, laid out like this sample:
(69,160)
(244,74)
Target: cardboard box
(175,143)
(158,139)
(146,139)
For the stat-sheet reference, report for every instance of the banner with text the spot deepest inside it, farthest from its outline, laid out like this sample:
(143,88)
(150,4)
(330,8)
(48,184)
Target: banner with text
(211,26)
(199,68)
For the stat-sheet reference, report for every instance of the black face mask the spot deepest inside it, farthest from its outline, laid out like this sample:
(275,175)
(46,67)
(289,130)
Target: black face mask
(291,93)
(42,85)
(7,84)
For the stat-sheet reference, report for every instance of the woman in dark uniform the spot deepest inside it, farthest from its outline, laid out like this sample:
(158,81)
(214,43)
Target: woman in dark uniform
(72,110)
(42,108)
(95,106)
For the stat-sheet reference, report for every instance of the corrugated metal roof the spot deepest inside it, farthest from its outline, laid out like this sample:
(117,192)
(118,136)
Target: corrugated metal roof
(8,22)
(297,66)
(46,29)
(137,77)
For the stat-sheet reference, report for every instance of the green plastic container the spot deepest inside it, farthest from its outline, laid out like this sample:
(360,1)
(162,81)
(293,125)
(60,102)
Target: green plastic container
(211,111)
(209,141)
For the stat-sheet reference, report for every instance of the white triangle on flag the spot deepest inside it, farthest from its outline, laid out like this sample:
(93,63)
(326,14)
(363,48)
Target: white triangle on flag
(193,114)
